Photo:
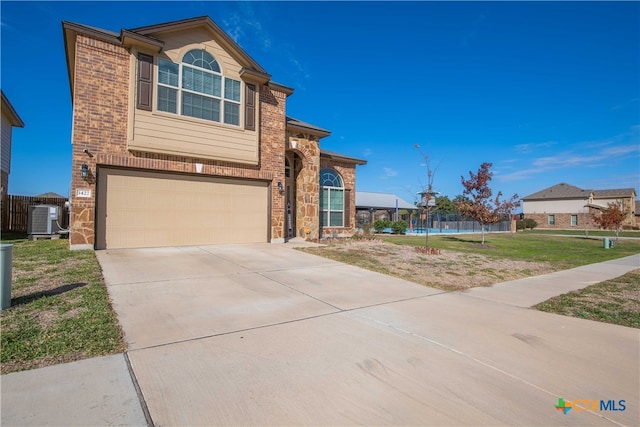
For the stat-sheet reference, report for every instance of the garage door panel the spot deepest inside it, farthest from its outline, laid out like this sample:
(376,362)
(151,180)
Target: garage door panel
(146,209)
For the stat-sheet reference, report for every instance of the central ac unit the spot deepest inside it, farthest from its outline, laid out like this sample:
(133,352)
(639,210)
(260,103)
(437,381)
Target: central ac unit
(43,219)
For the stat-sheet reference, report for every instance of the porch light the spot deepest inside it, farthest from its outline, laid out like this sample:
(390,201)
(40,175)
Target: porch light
(84,171)
(280,187)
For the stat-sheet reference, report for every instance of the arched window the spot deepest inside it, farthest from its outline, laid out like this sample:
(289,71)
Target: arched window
(197,88)
(331,199)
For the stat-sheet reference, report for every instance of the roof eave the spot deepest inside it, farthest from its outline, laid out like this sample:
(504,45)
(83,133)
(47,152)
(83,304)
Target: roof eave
(342,158)
(282,88)
(8,109)
(254,76)
(313,131)
(129,38)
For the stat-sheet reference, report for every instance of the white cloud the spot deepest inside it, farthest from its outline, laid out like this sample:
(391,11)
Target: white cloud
(529,148)
(388,173)
(367,152)
(586,154)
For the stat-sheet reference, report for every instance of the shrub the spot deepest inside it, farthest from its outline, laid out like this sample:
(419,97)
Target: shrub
(381,224)
(526,223)
(399,227)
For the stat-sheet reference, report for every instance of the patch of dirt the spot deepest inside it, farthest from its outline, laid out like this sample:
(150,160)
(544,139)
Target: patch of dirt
(449,270)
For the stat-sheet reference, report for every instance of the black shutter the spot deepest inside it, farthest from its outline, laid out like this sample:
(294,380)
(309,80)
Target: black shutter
(250,108)
(145,82)
(347,208)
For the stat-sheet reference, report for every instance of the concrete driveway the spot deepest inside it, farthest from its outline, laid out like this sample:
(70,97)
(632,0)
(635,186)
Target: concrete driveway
(266,335)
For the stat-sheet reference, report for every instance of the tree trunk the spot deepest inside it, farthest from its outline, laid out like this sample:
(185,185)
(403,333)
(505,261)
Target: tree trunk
(482,227)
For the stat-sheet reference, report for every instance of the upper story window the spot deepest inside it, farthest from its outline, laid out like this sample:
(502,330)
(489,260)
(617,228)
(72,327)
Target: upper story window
(331,199)
(197,88)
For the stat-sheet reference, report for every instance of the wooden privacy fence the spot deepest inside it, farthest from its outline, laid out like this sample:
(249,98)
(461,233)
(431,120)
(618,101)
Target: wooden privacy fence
(15,211)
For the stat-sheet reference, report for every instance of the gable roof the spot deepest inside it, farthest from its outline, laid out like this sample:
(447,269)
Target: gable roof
(10,112)
(566,191)
(366,199)
(145,36)
(559,191)
(616,192)
(51,195)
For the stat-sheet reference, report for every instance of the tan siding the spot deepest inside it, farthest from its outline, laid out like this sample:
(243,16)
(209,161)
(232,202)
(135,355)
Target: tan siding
(6,145)
(187,138)
(554,206)
(143,209)
(164,133)
(179,43)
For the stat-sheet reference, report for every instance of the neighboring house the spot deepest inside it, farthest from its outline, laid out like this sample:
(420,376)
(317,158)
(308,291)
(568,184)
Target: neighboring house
(10,119)
(51,195)
(372,206)
(567,206)
(181,138)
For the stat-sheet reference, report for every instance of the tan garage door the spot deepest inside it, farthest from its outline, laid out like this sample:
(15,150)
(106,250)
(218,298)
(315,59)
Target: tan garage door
(145,209)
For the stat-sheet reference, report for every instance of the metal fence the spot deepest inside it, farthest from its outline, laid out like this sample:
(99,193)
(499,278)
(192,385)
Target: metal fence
(15,211)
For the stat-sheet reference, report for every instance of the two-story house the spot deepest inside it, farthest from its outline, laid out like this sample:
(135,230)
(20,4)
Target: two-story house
(181,138)
(567,206)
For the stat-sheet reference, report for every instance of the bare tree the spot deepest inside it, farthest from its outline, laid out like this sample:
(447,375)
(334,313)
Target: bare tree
(427,193)
(480,206)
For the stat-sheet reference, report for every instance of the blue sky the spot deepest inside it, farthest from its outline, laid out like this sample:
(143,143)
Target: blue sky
(548,92)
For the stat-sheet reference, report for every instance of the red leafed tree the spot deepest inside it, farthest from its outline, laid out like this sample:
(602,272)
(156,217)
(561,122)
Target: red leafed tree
(479,204)
(611,217)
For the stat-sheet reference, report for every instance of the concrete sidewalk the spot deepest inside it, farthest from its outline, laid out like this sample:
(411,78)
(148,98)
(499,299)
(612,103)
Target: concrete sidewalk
(262,335)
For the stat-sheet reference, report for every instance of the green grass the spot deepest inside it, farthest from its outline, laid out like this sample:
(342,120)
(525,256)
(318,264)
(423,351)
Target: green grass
(577,232)
(60,310)
(615,301)
(563,252)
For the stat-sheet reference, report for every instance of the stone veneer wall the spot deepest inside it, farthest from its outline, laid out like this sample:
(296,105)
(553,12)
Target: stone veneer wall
(100,113)
(307,184)
(348,173)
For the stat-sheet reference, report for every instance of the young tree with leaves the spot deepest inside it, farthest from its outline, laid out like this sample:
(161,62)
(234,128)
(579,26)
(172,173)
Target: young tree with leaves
(479,204)
(611,217)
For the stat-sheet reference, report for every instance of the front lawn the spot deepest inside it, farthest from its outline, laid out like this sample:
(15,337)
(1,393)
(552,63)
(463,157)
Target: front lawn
(60,310)
(615,301)
(561,252)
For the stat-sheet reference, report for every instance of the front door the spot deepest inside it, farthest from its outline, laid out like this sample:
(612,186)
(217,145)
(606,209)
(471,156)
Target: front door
(290,196)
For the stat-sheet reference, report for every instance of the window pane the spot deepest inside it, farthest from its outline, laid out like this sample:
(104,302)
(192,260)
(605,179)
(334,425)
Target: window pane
(323,219)
(200,81)
(231,113)
(167,72)
(201,58)
(336,201)
(330,178)
(324,199)
(201,107)
(336,219)
(167,99)
(232,89)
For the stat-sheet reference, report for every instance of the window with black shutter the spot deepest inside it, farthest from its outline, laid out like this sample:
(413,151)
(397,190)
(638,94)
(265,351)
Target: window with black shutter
(145,82)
